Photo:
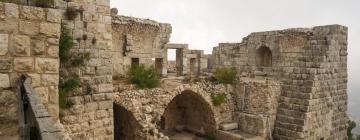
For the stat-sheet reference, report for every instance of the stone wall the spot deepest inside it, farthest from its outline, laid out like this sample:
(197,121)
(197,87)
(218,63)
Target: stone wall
(311,66)
(256,105)
(138,38)
(91,115)
(149,106)
(28,44)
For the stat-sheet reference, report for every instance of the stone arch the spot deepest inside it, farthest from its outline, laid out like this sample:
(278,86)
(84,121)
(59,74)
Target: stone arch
(264,57)
(126,124)
(190,111)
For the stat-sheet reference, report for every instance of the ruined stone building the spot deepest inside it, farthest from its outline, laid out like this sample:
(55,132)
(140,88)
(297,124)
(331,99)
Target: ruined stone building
(290,85)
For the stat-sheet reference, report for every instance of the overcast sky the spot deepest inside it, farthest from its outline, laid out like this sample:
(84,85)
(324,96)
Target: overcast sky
(204,23)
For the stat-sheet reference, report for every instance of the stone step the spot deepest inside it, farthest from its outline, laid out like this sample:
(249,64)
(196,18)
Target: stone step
(229,126)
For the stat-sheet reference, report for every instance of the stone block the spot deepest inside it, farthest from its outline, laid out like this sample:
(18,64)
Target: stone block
(105,88)
(94,62)
(77,109)
(25,64)
(100,114)
(105,3)
(21,46)
(98,97)
(105,105)
(29,27)
(229,126)
(43,94)
(4,81)
(38,46)
(35,80)
(88,117)
(47,65)
(5,65)
(107,19)
(53,51)
(50,29)
(91,107)
(50,80)
(54,15)
(53,41)
(103,70)
(11,10)
(60,4)
(4,43)
(32,13)
(9,25)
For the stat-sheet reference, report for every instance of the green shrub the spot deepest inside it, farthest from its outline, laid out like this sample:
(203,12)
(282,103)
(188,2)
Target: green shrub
(218,99)
(225,75)
(351,126)
(143,77)
(44,3)
(210,136)
(68,80)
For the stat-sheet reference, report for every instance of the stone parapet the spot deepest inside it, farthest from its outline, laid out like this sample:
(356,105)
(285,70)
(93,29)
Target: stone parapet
(36,115)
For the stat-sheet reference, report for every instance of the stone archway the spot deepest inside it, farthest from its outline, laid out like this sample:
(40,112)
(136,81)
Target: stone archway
(126,127)
(189,112)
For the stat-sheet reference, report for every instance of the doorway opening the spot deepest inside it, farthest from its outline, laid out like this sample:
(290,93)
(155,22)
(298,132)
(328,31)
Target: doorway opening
(175,62)
(125,125)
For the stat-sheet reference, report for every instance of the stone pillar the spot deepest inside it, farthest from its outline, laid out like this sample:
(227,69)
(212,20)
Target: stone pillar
(91,116)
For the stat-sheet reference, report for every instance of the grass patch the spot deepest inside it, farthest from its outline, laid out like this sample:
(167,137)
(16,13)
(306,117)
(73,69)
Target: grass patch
(218,99)
(225,75)
(143,76)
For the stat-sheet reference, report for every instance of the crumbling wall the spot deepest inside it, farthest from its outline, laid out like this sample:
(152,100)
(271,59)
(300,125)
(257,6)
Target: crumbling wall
(28,45)
(256,105)
(311,65)
(149,106)
(138,38)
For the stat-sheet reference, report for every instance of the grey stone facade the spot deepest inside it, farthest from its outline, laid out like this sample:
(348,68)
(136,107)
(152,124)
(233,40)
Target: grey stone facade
(291,84)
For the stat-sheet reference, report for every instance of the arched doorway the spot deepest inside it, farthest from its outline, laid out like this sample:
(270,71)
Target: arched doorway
(188,112)
(264,57)
(125,125)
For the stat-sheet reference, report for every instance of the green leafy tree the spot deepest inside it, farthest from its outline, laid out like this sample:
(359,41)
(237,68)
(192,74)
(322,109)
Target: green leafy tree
(143,77)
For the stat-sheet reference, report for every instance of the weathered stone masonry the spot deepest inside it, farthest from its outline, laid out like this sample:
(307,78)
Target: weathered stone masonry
(311,66)
(291,83)
(28,44)
(91,116)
